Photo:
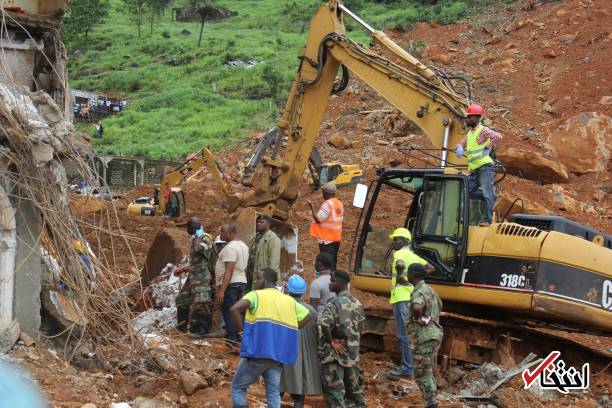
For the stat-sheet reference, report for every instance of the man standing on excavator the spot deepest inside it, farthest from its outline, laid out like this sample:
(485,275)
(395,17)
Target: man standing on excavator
(326,226)
(480,141)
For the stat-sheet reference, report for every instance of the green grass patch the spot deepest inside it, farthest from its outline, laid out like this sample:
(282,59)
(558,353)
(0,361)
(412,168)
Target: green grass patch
(183,97)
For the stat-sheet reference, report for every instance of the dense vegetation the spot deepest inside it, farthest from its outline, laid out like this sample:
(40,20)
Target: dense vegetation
(183,96)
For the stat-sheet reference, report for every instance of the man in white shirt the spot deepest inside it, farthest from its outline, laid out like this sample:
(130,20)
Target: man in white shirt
(230,275)
(319,288)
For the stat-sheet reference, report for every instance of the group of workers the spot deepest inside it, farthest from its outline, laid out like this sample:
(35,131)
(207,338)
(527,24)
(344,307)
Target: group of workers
(311,348)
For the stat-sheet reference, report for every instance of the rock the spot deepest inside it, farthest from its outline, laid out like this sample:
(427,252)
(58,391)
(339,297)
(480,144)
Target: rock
(185,31)
(357,144)
(548,108)
(442,58)
(468,51)
(491,373)
(396,159)
(567,39)
(192,381)
(599,195)
(532,165)
(493,40)
(376,161)
(339,141)
(531,133)
(455,374)
(605,187)
(26,339)
(183,401)
(549,53)
(382,142)
(584,142)
(89,405)
(525,22)
(510,46)
(561,12)
(606,100)
(564,202)
(42,153)
(488,60)
(141,402)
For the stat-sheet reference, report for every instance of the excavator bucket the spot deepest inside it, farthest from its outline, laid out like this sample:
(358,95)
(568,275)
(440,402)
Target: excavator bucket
(288,234)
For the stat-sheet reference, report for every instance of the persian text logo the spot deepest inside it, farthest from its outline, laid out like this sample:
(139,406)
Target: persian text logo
(552,373)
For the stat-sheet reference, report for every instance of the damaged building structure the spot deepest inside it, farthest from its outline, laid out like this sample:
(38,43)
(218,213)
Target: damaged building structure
(36,138)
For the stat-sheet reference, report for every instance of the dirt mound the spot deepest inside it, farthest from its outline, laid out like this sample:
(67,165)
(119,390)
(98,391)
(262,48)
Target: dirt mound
(169,246)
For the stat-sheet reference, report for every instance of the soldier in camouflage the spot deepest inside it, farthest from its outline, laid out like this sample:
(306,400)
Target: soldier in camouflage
(424,332)
(340,328)
(194,302)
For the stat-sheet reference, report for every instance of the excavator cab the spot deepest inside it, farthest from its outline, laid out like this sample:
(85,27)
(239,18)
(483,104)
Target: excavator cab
(432,205)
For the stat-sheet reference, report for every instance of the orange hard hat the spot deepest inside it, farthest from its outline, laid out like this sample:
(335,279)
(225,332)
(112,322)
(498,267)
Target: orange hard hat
(475,109)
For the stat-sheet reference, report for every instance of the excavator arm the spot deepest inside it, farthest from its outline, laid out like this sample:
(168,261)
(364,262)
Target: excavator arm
(203,158)
(426,97)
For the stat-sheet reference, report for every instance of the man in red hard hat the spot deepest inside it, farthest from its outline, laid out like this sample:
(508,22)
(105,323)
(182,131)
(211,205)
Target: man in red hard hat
(477,145)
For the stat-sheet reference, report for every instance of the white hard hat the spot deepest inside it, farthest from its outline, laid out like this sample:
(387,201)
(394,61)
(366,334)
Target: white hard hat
(218,240)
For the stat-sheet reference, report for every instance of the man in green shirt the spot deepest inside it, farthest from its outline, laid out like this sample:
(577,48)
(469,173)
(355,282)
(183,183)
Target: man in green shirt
(425,333)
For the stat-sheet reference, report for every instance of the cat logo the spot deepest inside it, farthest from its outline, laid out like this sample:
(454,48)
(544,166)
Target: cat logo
(606,295)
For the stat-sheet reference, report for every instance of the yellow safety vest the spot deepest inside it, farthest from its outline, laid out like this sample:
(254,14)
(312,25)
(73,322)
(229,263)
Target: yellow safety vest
(403,293)
(476,155)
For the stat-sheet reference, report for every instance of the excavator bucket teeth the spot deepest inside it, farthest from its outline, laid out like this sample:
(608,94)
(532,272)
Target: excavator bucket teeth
(288,234)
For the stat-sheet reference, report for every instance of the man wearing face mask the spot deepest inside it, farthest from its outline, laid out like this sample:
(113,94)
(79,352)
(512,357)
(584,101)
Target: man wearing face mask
(194,303)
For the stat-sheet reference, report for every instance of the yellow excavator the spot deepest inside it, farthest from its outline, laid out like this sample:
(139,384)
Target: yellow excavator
(538,268)
(341,174)
(169,200)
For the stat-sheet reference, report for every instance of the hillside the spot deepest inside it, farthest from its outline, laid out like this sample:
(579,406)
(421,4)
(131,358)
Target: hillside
(183,96)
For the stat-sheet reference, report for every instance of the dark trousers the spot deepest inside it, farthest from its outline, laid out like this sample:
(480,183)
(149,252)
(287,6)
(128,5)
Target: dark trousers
(233,293)
(332,248)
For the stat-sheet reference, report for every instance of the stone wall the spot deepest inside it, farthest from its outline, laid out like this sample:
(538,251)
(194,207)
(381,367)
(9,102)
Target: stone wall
(123,173)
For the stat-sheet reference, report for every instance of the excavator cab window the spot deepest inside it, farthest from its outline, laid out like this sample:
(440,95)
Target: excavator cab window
(329,173)
(392,205)
(177,204)
(441,226)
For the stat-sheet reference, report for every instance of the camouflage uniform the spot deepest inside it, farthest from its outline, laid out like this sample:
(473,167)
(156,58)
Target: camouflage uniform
(342,319)
(425,341)
(197,293)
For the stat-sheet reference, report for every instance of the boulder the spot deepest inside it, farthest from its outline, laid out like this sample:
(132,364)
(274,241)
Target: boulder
(339,141)
(532,165)
(584,142)
(564,202)
(192,381)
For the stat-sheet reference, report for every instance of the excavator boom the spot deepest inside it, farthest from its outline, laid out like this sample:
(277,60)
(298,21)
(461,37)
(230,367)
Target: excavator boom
(426,98)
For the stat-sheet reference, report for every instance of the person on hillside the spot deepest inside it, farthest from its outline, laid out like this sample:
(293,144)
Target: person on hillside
(304,377)
(270,339)
(425,333)
(319,288)
(194,303)
(265,249)
(340,328)
(230,274)
(326,226)
(477,145)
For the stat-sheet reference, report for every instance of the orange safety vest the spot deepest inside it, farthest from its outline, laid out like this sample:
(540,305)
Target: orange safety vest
(331,228)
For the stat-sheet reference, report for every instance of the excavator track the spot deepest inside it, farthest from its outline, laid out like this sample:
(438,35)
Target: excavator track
(476,340)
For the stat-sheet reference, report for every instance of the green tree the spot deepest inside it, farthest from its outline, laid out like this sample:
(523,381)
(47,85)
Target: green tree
(83,16)
(156,9)
(137,10)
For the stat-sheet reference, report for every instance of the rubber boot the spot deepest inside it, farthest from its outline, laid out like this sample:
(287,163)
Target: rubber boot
(182,318)
(298,400)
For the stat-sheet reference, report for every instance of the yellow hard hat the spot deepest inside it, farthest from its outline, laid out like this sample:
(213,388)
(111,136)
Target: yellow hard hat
(401,233)
(78,246)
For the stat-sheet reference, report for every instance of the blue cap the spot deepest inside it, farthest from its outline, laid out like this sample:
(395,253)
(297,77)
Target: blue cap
(296,285)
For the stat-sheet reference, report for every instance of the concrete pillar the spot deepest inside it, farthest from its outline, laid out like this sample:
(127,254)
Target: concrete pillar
(29,265)
(9,328)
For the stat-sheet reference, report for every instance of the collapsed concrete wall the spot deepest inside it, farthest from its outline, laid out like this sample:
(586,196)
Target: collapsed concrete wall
(123,173)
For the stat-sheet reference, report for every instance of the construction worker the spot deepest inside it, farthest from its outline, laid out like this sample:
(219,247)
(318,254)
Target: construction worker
(194,303)
(480,141)
(264,250)
(425,333)
(270,339)
(400,296)
(340,328)
(230,275)
(304,377)
(327,222)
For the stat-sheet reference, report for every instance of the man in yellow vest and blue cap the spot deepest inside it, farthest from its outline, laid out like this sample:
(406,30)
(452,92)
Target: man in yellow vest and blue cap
(401,293)
(480,141)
